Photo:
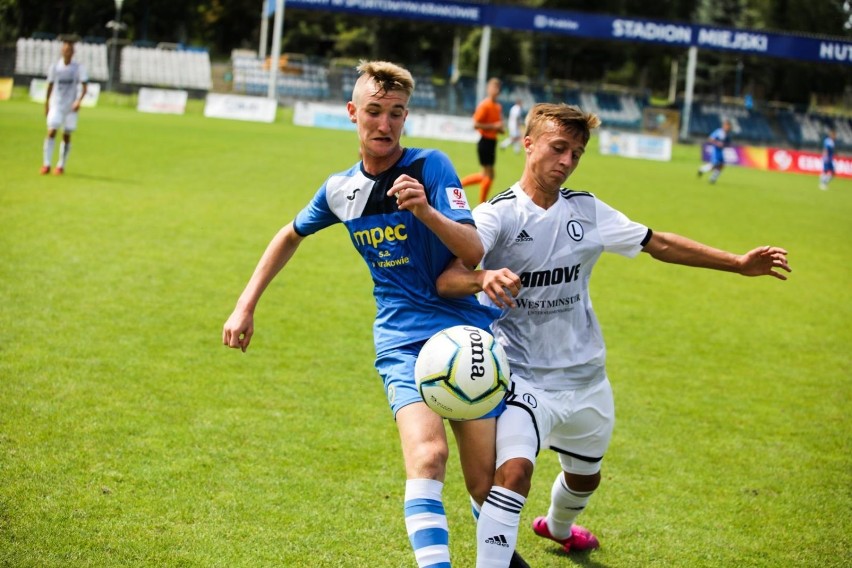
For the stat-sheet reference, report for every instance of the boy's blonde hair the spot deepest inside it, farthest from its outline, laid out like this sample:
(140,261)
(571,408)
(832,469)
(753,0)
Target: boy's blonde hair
(569,117)
(385,76)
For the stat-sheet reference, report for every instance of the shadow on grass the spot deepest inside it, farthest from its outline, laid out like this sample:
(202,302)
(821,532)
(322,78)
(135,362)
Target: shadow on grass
(584,559)
(89,177)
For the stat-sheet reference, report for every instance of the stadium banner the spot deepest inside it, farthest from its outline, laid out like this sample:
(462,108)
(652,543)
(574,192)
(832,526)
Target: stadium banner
(38,92)
(629,145)
(240,107)
(420,125)
(752,42)
(162,101)
(439,11)
(6,84)
(747,156)
(601,27)
(779,160)
(806,162)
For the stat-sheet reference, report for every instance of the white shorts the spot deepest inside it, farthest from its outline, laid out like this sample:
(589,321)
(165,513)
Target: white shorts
(577,424)
(60,118)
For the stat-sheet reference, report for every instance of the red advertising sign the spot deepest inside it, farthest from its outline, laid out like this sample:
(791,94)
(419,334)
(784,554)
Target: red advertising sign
(806,162)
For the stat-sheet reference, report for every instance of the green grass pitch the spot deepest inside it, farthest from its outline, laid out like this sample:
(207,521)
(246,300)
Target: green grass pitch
(129,436)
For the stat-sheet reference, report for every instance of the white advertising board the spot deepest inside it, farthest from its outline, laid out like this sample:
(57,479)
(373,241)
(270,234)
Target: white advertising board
(631,145)
(162,101)
(240,107)
(420,125)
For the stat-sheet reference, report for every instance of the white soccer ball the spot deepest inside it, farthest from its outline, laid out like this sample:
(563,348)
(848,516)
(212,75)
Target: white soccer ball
(462,372)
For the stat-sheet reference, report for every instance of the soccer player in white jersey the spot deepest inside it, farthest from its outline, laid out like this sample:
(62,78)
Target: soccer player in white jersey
(516,123)
(62,105)
(541,242)
(408,218)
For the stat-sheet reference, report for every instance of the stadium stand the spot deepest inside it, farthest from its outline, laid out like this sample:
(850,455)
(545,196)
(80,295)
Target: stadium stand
(175,68)
(298,79)
(33,56)
(806,130)
(747,125)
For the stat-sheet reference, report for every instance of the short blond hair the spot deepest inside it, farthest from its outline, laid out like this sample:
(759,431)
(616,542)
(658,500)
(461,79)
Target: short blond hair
(568,117)
(386,76)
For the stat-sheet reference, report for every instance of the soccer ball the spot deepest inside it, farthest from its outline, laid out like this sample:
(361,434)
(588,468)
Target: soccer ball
(462,372)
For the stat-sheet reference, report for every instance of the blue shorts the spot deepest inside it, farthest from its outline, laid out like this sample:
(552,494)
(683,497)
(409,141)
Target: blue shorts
(396,367)
(828,166)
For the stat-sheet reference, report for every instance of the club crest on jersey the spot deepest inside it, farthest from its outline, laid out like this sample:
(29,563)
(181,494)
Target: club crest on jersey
(457,198)
(575,230)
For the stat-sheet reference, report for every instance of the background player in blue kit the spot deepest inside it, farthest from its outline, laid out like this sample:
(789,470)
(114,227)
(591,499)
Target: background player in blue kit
(408,217)
(718,139)
(827,159)
(541,243)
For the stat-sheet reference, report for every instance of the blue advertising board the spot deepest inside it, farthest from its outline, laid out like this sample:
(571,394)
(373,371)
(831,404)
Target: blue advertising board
(599,26)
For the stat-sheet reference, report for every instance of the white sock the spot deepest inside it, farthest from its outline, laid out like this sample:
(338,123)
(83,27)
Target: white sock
(48,150)
(426,522)
(706,168)
(64,150)
(497,528)
(565,506)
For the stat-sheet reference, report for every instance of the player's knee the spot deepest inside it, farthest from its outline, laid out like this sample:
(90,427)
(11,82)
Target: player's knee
(515,474)
(584,483)
(479,487)
(430,458)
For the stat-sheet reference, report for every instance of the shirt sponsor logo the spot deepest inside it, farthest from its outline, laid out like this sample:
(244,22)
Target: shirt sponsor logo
(377,235)
(561,275)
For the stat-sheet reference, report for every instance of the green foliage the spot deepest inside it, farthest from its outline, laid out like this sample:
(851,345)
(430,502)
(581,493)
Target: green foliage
(129,436)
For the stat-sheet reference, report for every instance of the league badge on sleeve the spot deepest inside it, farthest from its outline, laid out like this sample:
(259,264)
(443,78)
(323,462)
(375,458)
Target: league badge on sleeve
(457,198)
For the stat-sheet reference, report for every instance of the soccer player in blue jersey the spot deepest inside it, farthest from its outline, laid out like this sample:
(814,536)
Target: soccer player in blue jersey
(718,139)
(827,159)
(408,217)
(541,243)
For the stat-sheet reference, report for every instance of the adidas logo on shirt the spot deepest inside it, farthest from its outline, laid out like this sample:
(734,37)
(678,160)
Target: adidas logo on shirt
(523,236)
(499,540)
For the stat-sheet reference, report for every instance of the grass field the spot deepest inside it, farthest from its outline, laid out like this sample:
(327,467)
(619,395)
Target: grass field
(129,436)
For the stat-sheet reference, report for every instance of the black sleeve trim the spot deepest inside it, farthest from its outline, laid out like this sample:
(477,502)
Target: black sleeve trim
(647,237)
(297,230)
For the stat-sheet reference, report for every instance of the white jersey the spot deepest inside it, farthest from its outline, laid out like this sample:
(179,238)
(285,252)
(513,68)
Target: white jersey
(515,120)
(552,338)
(66,81)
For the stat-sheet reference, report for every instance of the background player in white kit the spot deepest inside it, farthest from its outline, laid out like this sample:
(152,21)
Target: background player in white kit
(541,242)
(62,105)
(516,126)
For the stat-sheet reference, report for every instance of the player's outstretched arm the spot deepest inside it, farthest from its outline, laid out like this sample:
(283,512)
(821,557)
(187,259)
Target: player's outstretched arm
(462,239)
(500,285)
(239,328)
(762,261)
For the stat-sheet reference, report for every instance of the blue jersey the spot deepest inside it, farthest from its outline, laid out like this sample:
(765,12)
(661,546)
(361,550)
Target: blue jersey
(404,256)
(828,154)
(719,135)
